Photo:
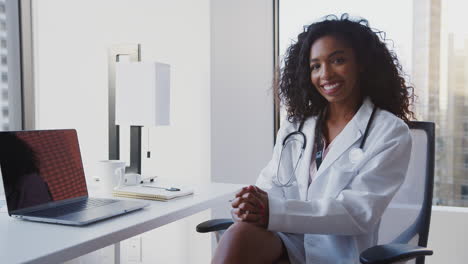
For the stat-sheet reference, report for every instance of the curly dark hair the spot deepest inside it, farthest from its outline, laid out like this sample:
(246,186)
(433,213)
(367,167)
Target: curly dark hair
(381,77)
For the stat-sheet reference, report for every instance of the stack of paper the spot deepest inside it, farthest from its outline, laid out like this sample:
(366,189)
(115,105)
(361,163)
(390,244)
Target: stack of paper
(149,193)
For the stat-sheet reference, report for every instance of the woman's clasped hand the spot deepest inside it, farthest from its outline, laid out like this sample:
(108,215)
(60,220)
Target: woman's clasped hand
(251,205)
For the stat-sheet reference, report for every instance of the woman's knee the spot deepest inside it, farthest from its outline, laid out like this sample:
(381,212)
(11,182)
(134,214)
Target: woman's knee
(243,241)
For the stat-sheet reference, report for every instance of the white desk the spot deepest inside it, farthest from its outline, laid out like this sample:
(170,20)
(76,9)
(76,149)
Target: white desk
(24,241)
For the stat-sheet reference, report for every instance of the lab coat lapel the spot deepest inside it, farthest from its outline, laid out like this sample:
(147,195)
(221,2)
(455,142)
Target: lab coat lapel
(352,132)
(342,142)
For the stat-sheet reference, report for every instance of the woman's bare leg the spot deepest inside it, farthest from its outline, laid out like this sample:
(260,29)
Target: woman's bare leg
(247,243)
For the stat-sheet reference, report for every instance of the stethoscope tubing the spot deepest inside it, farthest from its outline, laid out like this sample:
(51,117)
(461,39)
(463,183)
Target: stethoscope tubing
(304,144)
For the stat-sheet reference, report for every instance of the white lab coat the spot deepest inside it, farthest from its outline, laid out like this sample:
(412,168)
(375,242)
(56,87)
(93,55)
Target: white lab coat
(337,216)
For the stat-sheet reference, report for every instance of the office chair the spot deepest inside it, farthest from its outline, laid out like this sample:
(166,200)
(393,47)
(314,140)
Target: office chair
(404,227)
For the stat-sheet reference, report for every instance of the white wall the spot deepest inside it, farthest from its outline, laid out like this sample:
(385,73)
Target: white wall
(71,41)
(241,96)
(448,235)
(241,93)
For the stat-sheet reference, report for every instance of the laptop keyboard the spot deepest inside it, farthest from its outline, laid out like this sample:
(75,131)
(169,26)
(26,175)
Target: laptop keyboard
(72,207)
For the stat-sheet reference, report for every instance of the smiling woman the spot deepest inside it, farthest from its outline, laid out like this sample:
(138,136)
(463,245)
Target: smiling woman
(344,92)
(378,67)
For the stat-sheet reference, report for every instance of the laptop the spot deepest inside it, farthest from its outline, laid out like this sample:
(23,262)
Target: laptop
(44,180)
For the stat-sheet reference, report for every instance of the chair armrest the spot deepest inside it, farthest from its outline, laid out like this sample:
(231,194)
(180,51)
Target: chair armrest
(390,253)
(214,225)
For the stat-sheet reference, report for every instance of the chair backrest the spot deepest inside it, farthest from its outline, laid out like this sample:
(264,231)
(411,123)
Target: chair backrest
(408,215)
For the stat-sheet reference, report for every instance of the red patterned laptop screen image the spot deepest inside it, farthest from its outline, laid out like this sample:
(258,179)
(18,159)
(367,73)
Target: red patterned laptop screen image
(40,166)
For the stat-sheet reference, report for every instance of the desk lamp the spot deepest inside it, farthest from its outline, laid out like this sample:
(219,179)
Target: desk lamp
(142,98)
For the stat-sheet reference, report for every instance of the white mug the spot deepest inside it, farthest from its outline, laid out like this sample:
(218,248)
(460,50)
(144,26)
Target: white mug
(110,173)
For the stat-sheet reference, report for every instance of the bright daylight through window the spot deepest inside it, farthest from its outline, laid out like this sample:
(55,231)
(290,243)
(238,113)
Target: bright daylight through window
(10,83)
(432,45)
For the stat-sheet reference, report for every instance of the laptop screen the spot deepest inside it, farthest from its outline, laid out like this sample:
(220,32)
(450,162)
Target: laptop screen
(40,167)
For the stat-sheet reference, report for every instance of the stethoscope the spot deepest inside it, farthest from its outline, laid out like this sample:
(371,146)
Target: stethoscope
(355,155)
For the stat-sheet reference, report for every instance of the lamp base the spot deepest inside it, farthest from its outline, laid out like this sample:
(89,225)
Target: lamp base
(135,150)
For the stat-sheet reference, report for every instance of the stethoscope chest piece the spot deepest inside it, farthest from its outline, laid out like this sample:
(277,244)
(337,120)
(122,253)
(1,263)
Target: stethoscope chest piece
(356,155)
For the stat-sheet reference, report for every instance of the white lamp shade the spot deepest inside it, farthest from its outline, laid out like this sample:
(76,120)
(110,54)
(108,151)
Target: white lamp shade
(142,96)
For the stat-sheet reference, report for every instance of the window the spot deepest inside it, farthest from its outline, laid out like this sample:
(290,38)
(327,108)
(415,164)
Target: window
(433,54)
(5,112)
(464,192)
(10,82)
(3,43)
(4,95)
